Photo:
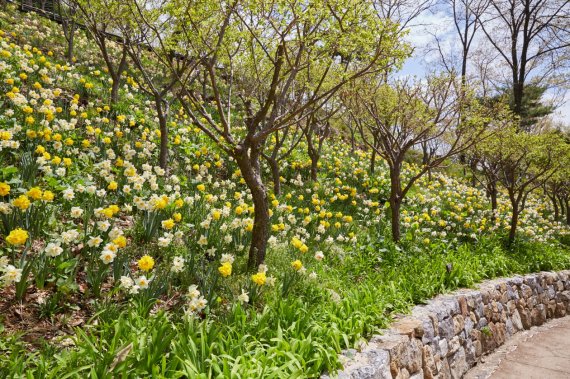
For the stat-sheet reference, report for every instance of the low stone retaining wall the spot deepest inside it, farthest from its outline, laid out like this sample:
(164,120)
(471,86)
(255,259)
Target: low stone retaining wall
(446,337)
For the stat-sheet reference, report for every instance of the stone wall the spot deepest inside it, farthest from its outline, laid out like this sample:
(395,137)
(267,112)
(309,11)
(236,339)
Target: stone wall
(446,337)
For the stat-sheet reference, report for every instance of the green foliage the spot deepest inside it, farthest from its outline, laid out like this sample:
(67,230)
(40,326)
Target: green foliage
(533,107)
(295,336)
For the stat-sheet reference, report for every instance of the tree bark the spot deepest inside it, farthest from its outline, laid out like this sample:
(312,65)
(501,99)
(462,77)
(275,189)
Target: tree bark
(247,158)
(373,162)
(425,154)
(518,89)
(275,174)
(514,222)
(314,167)
(163,124)
(492,188)
(70,41)
(562,207)
(313,154)
(473,166)
(395,202)
(115,90)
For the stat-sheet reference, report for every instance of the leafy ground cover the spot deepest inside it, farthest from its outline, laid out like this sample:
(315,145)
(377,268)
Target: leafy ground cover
(114,267)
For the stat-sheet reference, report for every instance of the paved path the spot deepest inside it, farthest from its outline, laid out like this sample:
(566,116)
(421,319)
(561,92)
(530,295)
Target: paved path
(541,353)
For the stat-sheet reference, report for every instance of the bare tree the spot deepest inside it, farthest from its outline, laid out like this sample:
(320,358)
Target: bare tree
(486,169)
(524,162)
(408,115)
(102,18)
(557,187)
(531,37)
(253,59)
(284,143)
(154,81)
(403,12)
(464,14)
(316,129)
(67,9)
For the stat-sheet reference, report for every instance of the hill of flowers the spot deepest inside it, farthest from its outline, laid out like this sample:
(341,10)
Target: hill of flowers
(111,266)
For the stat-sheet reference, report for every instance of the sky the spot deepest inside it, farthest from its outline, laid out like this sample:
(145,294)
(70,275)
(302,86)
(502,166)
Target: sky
(440,24)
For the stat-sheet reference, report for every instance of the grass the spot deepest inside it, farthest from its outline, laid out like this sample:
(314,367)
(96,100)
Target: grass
(290,337)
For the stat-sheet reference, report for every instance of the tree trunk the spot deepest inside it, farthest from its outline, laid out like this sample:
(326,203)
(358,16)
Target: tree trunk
(275,174)
(473,166)
(567,211)
(514,223)
(492,188)
(373,162)
(395,202)
(463,162)
(494,200)
(426,158)
(70,36)
(395,219)
(163,157)
(115,90)
(518,88)
(249,165)
(562,207)
(314,166)
(425,155)
(163,123)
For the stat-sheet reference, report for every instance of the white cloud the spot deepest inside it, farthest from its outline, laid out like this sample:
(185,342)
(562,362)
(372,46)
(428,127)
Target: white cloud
(427,24)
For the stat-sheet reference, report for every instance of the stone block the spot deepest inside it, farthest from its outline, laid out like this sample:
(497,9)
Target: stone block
(550,278)
(446,328)
(551,309)
(526,291)
(499,333)
(428,329)
(510,330)
(537,317)
(377,366)
(488,342)
(525,318)
(444,371)
(478,348)
(458,324)
(516,320)
(443,348)
(564,296)
(453,345)
(428,363)
(403,374)
(410,327)
(458,364)
(551,292)
(482,323)
(435,323)
(560,310)
(512,293)
(475,335)
(462,301)
(470,353)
